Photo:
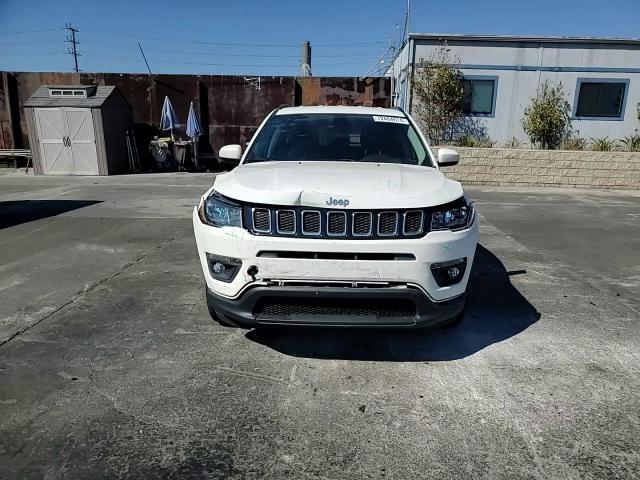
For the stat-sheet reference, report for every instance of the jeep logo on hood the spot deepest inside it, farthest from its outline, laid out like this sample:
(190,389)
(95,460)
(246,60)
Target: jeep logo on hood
(342,202)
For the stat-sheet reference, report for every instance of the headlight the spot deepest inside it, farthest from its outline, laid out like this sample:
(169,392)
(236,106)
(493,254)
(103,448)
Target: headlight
(220,212)
(455,218)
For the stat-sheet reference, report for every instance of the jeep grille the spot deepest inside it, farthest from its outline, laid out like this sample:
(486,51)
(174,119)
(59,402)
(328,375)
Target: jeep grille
(336,224)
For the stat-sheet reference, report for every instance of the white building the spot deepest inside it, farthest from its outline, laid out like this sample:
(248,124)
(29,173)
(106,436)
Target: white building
(601,77)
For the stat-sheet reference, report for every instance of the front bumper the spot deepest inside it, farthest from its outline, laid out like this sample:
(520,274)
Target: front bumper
(435,247)
(406,277)
(335,307)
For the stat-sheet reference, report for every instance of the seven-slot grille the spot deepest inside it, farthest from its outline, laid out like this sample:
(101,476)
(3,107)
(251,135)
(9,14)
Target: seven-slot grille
(338,224)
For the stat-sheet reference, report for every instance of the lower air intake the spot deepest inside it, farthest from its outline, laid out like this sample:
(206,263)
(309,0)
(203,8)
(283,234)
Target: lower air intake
(335,310)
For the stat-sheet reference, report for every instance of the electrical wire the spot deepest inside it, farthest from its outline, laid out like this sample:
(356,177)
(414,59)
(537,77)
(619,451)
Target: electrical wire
(220,54)
(230,44)
(31,54)
(14,44)
(224,64)
(91,55)
(32,31)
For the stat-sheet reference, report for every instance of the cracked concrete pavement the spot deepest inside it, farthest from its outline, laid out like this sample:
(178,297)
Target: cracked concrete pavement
(110,366)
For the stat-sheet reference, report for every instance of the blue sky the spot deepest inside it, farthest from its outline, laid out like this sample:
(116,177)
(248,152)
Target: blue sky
(347,36)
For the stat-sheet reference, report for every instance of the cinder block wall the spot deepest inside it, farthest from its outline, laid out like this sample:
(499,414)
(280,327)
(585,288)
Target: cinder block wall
(546,168)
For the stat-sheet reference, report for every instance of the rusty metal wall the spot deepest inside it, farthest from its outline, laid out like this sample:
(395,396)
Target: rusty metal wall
(368,92)
(231,107)
(10,135)
(6,138)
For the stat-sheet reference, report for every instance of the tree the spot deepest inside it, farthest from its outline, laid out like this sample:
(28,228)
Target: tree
(438,89)
(547,119)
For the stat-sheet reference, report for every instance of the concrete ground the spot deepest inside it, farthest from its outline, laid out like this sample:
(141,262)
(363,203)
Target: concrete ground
(110,366)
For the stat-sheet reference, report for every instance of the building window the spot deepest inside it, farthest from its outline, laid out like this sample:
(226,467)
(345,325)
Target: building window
(601,98)
(66,92)
(479,96)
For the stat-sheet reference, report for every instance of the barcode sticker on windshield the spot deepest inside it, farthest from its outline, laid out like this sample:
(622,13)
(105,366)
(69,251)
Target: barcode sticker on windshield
(388,119)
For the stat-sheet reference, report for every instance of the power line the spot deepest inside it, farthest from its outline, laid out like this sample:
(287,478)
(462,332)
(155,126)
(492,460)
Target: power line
(31,54)
(73,50)
(72,40)
(200,42)
(13,44)
(32,31)
(225,64)
(232,44)
(348,44)
(240,55)
(220,54)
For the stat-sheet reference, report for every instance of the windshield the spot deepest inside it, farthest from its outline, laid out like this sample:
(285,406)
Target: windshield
(338,137)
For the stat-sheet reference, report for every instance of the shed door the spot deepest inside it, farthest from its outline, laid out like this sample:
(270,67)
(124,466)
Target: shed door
(82,140)
(55,156)
(67,141)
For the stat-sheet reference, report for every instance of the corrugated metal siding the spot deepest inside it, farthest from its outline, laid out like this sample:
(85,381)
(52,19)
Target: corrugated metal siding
(6,137)
(230,108)
(368,92)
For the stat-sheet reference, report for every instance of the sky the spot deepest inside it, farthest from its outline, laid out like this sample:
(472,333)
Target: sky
(262,37)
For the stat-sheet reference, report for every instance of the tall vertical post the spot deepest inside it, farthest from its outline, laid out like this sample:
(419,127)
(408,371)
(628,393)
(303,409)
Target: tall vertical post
(73,50)
(407,23)
(305,60)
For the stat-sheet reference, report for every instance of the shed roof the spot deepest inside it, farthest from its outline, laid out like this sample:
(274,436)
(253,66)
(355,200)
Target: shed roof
(41,97)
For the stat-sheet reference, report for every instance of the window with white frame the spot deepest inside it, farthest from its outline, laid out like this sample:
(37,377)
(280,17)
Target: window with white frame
(600,98)
(67,92)
(479,96)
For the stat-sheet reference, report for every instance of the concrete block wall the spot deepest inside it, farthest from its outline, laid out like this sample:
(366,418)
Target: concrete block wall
(547,168)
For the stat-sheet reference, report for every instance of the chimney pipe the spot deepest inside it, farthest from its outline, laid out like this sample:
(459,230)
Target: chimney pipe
(305,60)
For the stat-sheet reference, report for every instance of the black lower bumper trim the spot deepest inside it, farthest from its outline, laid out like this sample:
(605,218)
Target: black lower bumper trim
(335,306)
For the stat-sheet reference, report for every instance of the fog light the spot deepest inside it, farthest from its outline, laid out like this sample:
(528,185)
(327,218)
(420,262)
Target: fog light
(218,268)
(449,273)
(453,272)
(222,268)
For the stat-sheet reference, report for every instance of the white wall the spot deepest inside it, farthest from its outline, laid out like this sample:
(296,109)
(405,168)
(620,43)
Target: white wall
(522,66)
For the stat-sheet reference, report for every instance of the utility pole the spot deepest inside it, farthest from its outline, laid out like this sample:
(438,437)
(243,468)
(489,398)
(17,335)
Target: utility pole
(407,21)
(72,40)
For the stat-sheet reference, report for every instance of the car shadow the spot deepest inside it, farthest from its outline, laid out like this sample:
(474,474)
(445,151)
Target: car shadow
(496,311)
(22,211)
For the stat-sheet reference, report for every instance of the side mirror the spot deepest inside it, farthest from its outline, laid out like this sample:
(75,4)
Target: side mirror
(230,154)
(448,157)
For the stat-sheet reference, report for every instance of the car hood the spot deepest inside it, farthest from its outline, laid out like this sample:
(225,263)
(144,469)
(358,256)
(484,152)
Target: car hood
(359,185)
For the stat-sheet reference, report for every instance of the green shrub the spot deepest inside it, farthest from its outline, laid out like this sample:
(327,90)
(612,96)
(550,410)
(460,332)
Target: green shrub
(574,143)
(631,143)
(603,144)
(514,143)
(437,86)
(547,119)
(468,140)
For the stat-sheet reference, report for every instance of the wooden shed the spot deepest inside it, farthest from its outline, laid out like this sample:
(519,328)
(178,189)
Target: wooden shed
(78,130)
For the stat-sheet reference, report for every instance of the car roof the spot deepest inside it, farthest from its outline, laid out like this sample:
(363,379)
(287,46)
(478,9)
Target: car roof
(341,109)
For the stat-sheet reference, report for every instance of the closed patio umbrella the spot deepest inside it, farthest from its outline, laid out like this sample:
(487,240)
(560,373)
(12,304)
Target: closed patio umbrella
(194,130)
(168,118)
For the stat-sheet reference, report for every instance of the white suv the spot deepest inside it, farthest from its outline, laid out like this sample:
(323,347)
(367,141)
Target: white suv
(336,216)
